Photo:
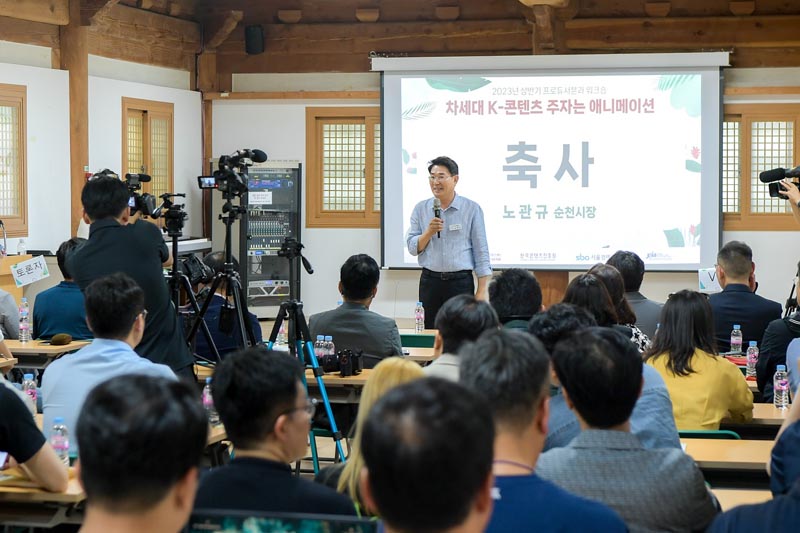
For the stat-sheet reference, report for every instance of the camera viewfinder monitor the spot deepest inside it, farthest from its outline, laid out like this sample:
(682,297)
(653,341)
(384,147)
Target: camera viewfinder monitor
(207,182)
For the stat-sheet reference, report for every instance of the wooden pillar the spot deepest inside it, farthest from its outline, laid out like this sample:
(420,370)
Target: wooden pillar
(75,59)
(554,285)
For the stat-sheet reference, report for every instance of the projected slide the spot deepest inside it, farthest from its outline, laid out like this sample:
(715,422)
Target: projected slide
(567,169)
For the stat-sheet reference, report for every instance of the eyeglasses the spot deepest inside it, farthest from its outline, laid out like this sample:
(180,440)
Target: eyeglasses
(310,408)
(439,177)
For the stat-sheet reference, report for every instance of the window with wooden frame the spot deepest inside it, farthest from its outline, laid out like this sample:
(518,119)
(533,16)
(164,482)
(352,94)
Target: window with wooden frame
(343,167)
(148,143)
(755,138)
(13,164)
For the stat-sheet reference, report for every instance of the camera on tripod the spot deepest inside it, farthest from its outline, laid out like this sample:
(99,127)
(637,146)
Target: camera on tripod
(229,178)
(346,362)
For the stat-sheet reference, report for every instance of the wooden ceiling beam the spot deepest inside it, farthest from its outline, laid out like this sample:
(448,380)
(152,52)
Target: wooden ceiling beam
(168,42)
(682,33)
(45,11)
(221,28)
(26,32)
(94,8)
(550,3)
(405,37)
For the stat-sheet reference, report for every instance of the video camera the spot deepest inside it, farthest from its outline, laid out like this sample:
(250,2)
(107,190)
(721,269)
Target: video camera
(772,177)
(144,203)
(230,177)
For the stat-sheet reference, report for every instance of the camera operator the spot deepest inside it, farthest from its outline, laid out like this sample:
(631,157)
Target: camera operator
(790,191)
(116,244)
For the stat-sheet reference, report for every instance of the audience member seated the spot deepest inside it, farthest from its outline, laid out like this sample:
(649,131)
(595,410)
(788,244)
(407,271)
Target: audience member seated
(24,446)
(222,325)
(652,489)
(142,439)
(738,304)
(427,449)
(267,415)
(792,365)
(386,375)
(647,311)
(511,370)
(612,280)
(461,319)
(60,309)
(772,350)
(516,296)
(116,316)
(704,387)
(352,325)
(589,292)
(651,421)
(9,316)
(784,465)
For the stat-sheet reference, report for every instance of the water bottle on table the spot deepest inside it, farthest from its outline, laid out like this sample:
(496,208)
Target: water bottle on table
(736,339)
(59,439)
(24,321)
(208,404)
(330,348)
(780,386)
(29,388)
(419,318)
(752,359)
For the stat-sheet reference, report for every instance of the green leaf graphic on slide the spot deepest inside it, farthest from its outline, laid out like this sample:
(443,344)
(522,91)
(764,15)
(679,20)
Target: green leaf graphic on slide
(406,157)
(422,110)
(692,165)
(674,238)
(684,92)
(458,85)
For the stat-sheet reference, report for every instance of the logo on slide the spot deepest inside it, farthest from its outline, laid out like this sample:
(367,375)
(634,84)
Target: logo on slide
(581,257)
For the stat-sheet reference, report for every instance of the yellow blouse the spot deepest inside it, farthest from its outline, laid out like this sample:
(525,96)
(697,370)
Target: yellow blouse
(715,390)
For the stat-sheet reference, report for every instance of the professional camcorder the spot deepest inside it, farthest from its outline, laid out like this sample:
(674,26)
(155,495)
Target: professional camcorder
(230,177)
(346,362)
(144,203)
(772,177)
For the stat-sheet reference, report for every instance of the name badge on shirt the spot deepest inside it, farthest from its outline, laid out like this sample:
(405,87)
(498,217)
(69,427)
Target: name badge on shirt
(455,227)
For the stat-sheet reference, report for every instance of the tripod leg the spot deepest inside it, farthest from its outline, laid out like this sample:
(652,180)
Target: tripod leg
(276,327)
(242,315)
(200,318)
(214,286)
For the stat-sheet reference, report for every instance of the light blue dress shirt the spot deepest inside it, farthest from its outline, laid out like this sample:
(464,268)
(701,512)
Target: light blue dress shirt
(68,380)
(463,245)
(652,420)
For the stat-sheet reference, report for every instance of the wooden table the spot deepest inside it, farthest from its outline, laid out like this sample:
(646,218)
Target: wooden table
(730,498)
(423,339)
(7,363)
(420,355)
(32,507)
(722,454)
(39,354)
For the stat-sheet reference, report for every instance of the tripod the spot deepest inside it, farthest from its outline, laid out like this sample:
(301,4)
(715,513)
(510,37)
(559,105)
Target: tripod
(174,217)
(791,301)
(299,338)
(229,275)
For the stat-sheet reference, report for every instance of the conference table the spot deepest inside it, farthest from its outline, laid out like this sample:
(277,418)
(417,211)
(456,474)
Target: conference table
(722,454)
(730,498)
(39,354)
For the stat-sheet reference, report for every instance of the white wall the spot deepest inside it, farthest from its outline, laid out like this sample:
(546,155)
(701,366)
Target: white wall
(47,137)
(105,135)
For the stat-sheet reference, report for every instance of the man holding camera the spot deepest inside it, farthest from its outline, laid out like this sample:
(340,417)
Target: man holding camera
(790,191)
(138,250)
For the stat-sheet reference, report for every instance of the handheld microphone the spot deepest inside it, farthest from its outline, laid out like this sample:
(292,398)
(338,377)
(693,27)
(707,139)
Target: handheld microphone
(778,174)
(437,212)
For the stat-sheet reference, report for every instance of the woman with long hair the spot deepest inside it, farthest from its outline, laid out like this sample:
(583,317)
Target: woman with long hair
(588,292)
(612,279)
(704,387)
(386,375)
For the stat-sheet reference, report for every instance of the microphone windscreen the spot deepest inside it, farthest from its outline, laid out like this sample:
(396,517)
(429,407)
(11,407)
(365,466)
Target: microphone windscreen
(258,156)
(61,339)
(772,175)
(437,204)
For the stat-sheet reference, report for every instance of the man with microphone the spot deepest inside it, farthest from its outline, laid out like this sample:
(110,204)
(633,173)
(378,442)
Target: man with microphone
(448,236)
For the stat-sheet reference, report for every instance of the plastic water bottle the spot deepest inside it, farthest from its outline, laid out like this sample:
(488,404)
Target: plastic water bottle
(22,248)
(24,321)
(736,339)
(339,303)
(419,318)
(59,439)
(208,404)
(752,358)
(318,346)
(29,388)
(281,334)
(330,348)
(781,388)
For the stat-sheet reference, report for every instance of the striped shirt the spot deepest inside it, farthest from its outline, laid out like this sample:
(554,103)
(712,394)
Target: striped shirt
(463,245)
